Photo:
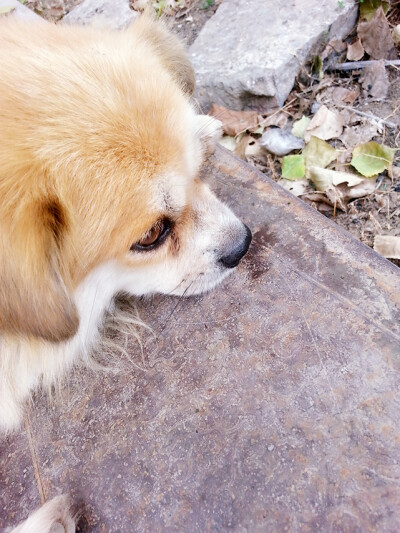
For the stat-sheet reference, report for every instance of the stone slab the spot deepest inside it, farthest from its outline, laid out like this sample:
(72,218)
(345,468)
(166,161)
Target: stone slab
(270,404)
(114,14)
(250,51)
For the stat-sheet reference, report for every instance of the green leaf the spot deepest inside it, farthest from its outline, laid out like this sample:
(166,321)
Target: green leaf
(318,153)
(372,158)
(318,67)
(293,167)
(368,8)
(5,10)
(300,126)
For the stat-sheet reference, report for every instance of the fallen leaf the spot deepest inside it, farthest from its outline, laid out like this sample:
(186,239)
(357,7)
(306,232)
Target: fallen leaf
(364,188)
(395,174)
(388,246)
(355,51)
(341,94)
(6,10)
(228,142)
(234,122)
(297,188)
(276,119)
(372,158)
(396,34)
(280,142)
(316,197)
(293,167)
(335,45)
(375,35)
(318,153)
(359,134)
(300,126)
(247,146)
(324,178)
(325,125)
(340,187)
(375,80)
(368,8)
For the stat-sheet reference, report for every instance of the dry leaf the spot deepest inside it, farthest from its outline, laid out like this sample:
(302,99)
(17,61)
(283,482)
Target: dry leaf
(355,51)
(359,134)
(234,122)
(324,178)
(298,187)
(335,45)
(300,126)
(375,80)
(340,94)
(228,142)
(388,246)
(325,125)
(364,188)
(248,146)
(396,34)
(276,119)
(375,35)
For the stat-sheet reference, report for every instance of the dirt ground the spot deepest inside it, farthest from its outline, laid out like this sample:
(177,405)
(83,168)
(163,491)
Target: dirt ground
(375,214)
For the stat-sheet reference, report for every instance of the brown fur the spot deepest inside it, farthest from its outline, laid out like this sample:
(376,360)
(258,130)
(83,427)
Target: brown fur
(81,146)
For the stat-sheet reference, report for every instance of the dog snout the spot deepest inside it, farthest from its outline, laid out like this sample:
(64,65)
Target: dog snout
(231,260)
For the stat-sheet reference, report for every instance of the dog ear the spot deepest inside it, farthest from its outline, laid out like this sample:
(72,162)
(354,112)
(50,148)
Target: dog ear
(209,130)
(168,47)
(35,287)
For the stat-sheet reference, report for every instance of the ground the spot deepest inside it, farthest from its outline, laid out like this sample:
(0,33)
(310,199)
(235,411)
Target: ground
(377,213)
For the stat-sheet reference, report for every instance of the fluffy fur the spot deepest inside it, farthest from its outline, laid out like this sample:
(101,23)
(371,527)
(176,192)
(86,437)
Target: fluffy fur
(100,146)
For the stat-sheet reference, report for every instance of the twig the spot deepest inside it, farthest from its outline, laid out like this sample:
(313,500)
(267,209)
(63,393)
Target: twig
(369,115)
(355,65)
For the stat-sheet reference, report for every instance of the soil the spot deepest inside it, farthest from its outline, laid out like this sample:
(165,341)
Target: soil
(377,213)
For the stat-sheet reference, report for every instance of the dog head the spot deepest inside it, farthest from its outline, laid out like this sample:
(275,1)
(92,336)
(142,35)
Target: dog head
(100,155)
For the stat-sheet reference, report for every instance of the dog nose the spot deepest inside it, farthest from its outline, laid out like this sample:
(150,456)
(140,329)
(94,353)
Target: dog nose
(232,259)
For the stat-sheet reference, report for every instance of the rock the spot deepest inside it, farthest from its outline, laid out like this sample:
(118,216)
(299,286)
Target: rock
(250,51)
(114,14)
(19,11)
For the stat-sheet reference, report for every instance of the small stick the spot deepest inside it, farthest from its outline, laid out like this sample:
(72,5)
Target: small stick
(355,65)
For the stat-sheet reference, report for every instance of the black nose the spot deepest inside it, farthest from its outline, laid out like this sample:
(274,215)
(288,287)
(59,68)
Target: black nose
(235,255)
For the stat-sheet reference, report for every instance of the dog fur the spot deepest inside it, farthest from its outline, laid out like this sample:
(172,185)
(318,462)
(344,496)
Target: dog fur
(100,150)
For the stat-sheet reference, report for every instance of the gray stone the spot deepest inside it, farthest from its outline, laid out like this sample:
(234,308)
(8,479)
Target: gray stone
(114,14)
(250,51)
(20,10)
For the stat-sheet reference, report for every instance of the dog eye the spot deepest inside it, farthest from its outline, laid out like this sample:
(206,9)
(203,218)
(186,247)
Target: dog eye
(154,237)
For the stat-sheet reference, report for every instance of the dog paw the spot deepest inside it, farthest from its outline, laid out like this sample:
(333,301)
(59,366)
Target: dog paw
(54,516)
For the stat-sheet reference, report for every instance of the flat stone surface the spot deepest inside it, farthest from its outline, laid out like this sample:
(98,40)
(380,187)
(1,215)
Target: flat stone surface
(271,404)
(20,10)
(250,51)
(114,14)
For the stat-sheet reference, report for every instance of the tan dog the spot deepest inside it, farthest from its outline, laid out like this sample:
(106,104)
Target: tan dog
(100,150)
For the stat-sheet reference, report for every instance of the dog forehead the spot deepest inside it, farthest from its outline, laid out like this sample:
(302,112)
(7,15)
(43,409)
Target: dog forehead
(171,192)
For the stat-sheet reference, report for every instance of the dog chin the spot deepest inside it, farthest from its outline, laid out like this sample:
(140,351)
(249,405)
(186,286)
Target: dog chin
(202,284)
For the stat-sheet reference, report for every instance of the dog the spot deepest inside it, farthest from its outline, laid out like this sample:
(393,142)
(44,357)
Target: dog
(100,152)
